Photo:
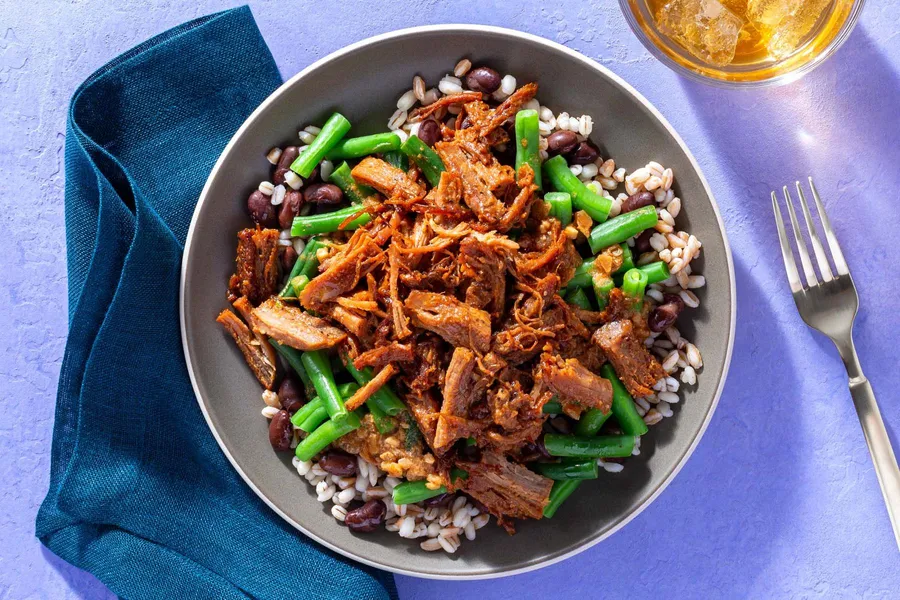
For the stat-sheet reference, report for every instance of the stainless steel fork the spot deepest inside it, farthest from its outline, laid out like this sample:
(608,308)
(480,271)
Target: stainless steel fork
(829,305)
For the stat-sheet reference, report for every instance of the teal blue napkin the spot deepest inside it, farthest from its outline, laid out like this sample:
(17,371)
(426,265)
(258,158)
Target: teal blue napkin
(140,494)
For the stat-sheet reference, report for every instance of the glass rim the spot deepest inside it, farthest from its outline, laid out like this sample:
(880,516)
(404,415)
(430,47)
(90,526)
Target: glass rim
(780,79)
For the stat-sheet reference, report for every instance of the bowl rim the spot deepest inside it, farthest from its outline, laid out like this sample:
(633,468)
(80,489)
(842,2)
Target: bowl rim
(466,28)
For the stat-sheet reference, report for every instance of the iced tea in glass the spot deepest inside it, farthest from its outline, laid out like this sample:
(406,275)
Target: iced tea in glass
(742,41)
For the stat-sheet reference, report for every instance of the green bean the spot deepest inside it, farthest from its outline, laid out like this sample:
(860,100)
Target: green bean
(325,434)
(560,206)
(364,146)
(528,144)
(619,229)
(591,421)
(353,191)
(623,407)
(583,198)
(558,494)
(318,416)
(425,158)
(584,272)
(296,270)
(600,446)
(552,407)
(602,288)
(656,272)
(313,406)
(397,159)
(410,492)
(292,356)
(559,471)
(298,283)
(387,400)
(634,284)
(330,222)
(579,299)
(383,423)
(319,370)
(335,128)
(627,258)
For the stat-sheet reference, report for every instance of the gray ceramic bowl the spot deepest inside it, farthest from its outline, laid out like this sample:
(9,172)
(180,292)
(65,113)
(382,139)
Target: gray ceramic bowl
(364,81)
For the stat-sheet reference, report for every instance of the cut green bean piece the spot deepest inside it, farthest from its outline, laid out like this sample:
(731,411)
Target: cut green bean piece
(397,159)
(330,222)
(579,299)
(298,283)
(383,423)
(560,206)
(292,356)
(600,446)
(602,288)
(583,198)
(386,398)
(425,158)
(583,276)
(319,370)
(634,284)
(297,269)
(410,492)
(558,494)
(582,469)
(305,411)
(364,146)
(318,416)
(627,258)
(335,128)
(528,144)
(623,406)
(656,272)
(591,421)
(353,191)
(552,407)
(325,434)
(619,229)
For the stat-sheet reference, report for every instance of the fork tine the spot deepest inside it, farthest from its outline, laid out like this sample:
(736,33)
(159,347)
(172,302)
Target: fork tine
(789,265)
(836,253)
(821,259)
(811,279)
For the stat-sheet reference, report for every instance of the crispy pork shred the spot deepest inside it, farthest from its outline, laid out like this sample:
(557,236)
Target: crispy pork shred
(507,489)
(452,296)
(257,356)
(455,321)
(635,366)
(292,326)
(257,269)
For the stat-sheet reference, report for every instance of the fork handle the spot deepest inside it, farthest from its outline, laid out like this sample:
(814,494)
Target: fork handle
(877,439)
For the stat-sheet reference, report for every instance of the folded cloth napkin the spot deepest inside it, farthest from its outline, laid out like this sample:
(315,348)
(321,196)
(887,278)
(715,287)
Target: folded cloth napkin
(140,493)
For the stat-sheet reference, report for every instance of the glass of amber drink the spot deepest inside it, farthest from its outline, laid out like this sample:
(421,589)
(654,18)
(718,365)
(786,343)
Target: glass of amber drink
(742,42)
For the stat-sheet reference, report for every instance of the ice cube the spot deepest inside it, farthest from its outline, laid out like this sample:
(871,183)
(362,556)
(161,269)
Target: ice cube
(705,28)
(793,29)
(769,13)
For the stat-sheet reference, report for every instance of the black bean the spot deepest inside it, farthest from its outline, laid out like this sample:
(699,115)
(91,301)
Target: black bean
(674,299)
(289,395)
(281,433)
(323,193)
(288,258)
(367,517)
(561,142)
(483,79)
(642,242)
(584,154)
(338,463)
(429,132)
(288,155)
(290,208)
(636,201)
(260,208)
(662,317)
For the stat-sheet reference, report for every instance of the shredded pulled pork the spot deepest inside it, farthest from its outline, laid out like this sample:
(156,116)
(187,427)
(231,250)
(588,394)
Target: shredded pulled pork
(451,295)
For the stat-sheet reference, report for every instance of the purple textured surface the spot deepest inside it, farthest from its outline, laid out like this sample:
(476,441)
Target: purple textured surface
(780,499)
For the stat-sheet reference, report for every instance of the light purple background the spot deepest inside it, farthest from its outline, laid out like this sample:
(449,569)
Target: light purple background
(780,499)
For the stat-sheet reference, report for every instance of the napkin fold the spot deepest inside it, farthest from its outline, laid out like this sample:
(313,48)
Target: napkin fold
(140,493)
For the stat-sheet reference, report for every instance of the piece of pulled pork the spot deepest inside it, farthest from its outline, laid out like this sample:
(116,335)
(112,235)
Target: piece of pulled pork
(636,367)
(257,268)
(294,327)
